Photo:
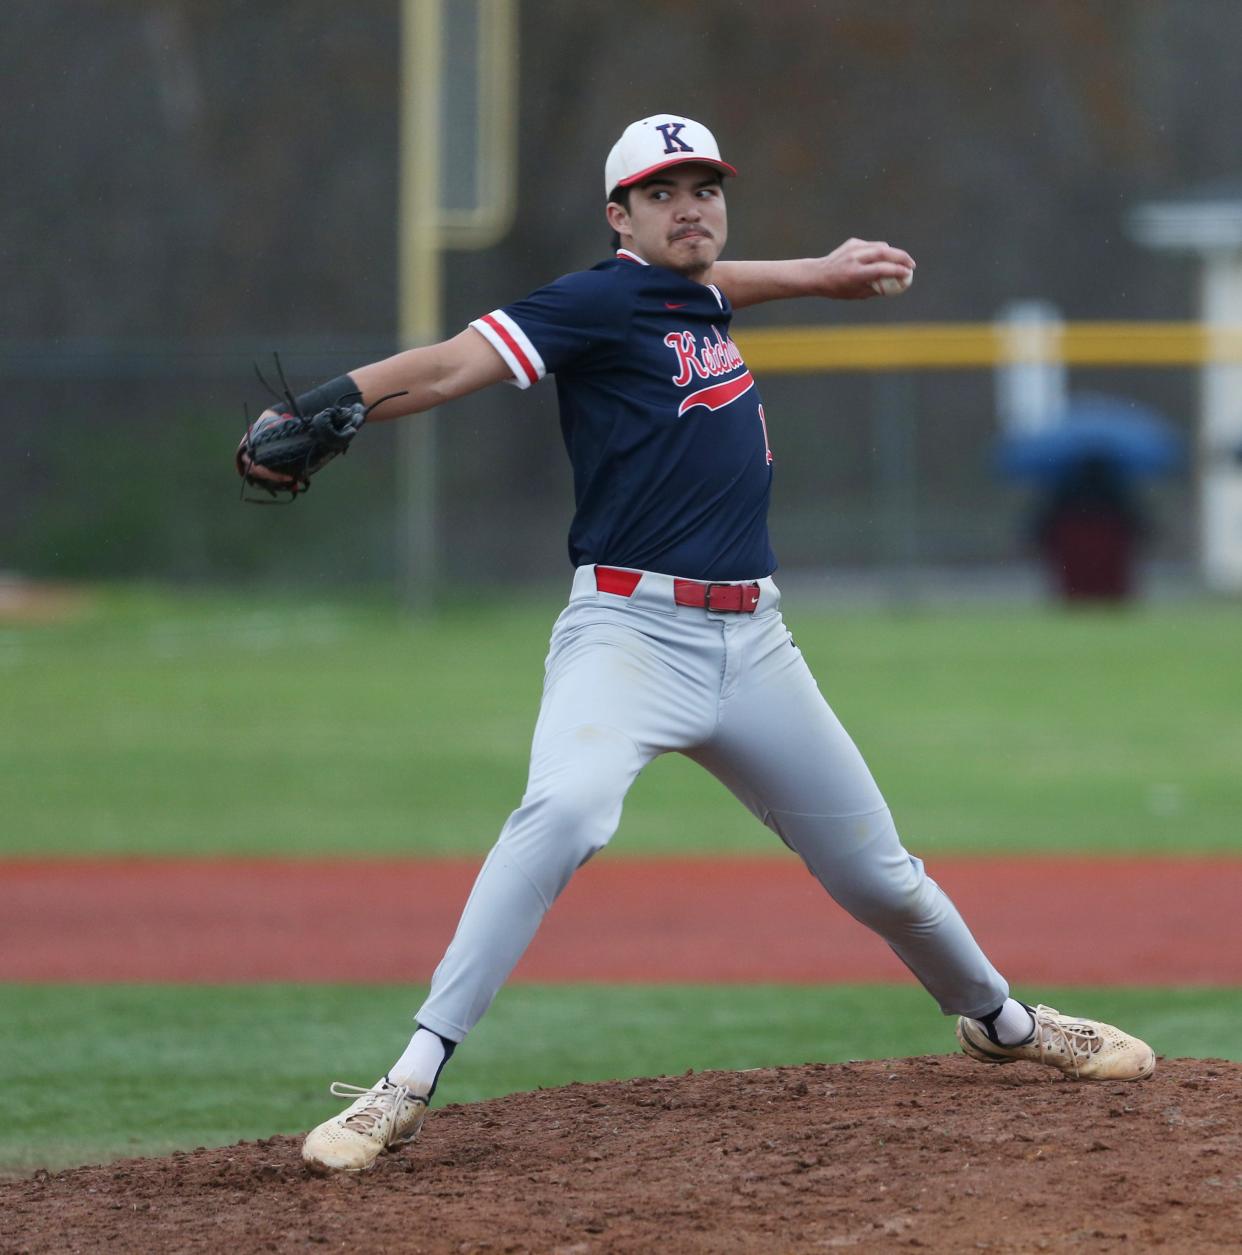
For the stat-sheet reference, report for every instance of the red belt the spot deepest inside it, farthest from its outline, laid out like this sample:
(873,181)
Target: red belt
(722,598)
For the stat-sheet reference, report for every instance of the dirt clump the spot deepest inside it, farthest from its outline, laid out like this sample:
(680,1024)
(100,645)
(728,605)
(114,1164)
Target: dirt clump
(929,1154)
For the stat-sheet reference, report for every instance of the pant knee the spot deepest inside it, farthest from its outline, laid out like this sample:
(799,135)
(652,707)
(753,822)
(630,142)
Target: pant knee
(551,835)
(860,860)
(902,902)
(577,820)
(572,805)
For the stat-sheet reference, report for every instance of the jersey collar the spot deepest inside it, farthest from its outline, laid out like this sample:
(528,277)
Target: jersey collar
(625,255)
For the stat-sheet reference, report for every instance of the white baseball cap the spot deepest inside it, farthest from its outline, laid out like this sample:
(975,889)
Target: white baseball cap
(657,142)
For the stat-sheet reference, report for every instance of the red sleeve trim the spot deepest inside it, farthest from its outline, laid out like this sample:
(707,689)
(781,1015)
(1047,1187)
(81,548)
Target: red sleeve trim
(531,373)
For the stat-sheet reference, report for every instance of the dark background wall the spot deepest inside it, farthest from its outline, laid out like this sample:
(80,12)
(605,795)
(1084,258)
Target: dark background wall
(189,186)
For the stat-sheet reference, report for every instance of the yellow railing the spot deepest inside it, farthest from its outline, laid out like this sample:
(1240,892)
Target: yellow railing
(970,345)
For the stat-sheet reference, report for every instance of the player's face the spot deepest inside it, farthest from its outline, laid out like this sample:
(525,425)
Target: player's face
(676,219)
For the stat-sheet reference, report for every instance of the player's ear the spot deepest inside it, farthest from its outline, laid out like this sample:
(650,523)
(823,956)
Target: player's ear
(618,217)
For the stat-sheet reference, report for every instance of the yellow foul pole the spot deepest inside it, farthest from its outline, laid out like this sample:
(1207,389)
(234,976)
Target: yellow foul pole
(418,289)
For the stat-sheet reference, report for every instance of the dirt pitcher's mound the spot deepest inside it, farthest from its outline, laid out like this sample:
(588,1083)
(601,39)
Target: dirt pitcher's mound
(935,1154)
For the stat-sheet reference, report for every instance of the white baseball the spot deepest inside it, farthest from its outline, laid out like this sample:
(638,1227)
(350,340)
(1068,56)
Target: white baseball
(892,287)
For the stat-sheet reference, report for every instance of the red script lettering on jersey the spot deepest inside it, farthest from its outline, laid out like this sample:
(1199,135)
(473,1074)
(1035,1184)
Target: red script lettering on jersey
(708,362)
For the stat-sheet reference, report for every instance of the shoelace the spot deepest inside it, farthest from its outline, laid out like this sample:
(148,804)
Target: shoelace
(1078,1041)
(377,1118)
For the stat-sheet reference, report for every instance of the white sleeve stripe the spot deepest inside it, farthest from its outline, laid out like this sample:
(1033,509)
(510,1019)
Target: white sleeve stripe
(492,336)
(522,340)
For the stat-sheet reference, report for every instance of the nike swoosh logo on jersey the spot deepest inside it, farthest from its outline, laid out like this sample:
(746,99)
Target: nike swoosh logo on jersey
(675,304)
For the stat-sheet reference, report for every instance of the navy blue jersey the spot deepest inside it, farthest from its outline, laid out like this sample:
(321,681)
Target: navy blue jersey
(662,421)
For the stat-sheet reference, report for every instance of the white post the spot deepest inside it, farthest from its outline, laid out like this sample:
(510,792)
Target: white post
(1208,223)
(1030,382)
(1220,430)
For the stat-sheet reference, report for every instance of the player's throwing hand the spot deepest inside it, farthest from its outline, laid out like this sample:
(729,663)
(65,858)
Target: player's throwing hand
(862,268)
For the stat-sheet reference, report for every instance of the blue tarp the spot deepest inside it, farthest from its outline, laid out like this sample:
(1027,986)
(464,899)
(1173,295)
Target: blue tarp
(1133,438)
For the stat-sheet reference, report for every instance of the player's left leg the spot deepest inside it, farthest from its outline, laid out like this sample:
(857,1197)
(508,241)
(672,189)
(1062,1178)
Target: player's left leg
(783,752)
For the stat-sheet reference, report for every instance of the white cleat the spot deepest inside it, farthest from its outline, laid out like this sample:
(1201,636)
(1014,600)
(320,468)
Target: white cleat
(1083,1049)
(379,1118)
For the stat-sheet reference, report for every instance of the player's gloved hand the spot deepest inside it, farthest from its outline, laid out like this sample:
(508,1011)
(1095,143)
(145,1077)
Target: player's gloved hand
(855,269)
(282,449)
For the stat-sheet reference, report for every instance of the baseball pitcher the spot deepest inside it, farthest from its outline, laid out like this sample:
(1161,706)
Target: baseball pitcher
(673,638)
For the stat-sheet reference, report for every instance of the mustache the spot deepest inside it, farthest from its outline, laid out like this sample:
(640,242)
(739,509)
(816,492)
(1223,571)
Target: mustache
(682,232)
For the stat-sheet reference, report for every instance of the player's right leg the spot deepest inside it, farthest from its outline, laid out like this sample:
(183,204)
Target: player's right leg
(616,693)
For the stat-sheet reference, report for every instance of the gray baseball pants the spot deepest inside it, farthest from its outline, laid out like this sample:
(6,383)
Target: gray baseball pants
(628,678)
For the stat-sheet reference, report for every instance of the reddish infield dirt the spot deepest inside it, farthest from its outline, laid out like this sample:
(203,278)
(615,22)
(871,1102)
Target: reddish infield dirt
(1148,921)
(930,1154)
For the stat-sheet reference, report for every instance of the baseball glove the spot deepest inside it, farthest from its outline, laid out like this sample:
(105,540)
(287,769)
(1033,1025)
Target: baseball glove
(284,447)
(291,447)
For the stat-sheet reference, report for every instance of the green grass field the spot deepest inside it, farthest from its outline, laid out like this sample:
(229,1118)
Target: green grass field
(211,725)
(93,1072)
